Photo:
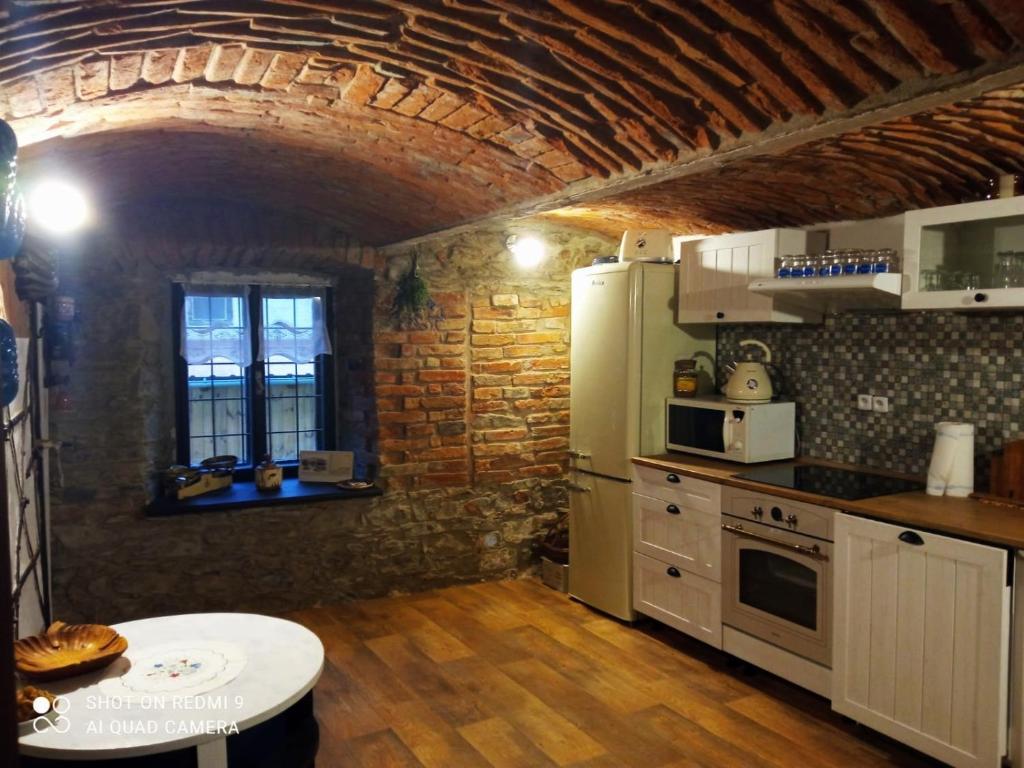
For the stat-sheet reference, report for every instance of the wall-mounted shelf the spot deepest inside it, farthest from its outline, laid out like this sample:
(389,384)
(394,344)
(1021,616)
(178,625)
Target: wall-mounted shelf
(835,294)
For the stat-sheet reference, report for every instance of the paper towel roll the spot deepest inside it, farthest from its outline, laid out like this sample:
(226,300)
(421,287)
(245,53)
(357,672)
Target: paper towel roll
(951,470)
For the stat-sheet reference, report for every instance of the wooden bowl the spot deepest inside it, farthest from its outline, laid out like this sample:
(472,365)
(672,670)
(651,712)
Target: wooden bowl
(65,650)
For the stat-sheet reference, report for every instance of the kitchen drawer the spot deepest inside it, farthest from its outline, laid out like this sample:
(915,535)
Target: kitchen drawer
(688,538)
(690,603)
(677,489)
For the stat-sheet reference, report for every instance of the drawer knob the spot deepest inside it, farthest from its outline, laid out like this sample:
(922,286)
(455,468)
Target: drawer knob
(672,478)
(672,509)
(909,537)
(673,572)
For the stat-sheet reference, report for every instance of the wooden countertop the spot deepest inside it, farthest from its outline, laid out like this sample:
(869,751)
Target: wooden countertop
(966,518)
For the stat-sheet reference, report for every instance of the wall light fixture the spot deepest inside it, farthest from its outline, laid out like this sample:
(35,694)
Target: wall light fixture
(527,250)
(57,206)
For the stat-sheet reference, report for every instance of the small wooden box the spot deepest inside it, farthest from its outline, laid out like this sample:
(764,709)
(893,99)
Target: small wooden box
(555,575)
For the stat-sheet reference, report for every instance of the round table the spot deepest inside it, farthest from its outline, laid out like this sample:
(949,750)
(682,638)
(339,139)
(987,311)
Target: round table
(280,663)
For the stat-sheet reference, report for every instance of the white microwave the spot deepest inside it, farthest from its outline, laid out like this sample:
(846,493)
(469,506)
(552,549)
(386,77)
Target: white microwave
(743,432)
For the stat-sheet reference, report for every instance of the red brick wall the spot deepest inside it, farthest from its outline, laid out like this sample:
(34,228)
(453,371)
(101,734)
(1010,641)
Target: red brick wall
(480,395)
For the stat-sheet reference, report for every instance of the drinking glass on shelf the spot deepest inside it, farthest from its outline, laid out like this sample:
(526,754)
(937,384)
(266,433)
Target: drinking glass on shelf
(1004,270)
(932,280)
(864,262)
(838,263)
(784,266)
(811,264)
(851,258)
(1017,280)
(959,280)
(884,261)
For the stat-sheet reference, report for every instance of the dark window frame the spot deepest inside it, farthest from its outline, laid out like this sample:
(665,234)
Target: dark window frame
(254,377)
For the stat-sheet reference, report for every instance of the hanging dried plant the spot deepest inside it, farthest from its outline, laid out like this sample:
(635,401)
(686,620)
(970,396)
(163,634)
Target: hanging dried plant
(412,299)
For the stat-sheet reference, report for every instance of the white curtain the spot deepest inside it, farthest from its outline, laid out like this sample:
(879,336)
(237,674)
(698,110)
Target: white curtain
(293,326)
(215,325)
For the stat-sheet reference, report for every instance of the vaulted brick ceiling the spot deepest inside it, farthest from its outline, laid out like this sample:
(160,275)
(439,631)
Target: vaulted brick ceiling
(395,119)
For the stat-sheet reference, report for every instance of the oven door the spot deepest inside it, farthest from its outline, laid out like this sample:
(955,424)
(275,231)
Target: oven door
(777,586)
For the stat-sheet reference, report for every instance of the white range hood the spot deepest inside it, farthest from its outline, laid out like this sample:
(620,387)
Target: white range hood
(837,294)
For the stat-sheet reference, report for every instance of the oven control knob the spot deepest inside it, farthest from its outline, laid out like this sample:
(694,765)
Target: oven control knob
(791,520)
(776,514)
(757,512)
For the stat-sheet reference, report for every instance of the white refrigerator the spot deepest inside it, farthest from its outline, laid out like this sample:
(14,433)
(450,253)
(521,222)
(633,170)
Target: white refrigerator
(624,344)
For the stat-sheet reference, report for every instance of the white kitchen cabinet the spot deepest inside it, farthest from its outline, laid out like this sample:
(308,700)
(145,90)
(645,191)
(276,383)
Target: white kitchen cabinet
(943,246)
(921,630)
(715,274)
(678,535)
(677,552)
(691,604)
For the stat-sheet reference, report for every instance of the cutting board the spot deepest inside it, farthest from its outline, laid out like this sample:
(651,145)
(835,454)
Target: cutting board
(1007,472)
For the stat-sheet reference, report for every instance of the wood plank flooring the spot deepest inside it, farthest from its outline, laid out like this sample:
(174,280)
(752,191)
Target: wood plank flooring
(515,675)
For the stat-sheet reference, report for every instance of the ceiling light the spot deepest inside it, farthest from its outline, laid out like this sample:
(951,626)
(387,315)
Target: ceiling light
(528,251)
(57,206)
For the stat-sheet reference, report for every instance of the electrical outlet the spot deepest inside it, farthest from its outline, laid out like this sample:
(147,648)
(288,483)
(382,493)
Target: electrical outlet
(880,404)
(864,402)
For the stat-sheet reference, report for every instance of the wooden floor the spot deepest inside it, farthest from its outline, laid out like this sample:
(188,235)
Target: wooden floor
(515,674)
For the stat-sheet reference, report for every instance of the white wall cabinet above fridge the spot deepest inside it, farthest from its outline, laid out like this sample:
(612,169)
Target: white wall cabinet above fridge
(715,273)
(968,256)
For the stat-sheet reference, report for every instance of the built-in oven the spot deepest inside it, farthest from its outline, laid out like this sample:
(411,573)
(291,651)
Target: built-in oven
(777,572)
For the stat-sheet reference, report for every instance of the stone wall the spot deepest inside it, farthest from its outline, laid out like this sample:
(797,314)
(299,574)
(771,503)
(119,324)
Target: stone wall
(466,414)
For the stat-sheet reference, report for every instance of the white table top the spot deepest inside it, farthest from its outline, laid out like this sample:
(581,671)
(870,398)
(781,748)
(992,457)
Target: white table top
(283,661)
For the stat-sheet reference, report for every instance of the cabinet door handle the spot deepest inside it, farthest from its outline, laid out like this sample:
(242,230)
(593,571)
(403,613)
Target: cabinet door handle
(672,509)
(673,572)
(672,478)
(909,537)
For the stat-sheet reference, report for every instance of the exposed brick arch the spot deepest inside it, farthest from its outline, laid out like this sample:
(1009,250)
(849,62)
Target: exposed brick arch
(510,107)
(346,165)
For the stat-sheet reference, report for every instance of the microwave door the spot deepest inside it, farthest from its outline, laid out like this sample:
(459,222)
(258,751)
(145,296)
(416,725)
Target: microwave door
(695,428)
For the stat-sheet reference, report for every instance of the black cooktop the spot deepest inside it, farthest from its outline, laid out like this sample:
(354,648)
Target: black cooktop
(830,481)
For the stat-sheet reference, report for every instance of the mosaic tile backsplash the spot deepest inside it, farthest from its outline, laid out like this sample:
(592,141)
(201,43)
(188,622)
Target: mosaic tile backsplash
(933,366)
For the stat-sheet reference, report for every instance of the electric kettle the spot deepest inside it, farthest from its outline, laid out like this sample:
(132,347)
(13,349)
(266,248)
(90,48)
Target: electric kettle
(749,382)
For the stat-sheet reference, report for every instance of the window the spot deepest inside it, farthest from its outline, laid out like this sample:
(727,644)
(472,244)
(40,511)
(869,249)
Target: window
(250,393)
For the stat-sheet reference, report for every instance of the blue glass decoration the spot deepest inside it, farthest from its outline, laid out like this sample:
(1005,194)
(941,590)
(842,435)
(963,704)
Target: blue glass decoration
(8,364)
(12,221)
(12,204)
(8,143)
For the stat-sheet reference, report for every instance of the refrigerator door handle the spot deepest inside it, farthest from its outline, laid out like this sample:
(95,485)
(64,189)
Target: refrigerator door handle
(578,488)
(579,454)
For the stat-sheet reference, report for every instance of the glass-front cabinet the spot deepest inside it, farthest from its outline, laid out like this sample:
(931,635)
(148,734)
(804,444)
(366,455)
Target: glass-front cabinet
(968,256)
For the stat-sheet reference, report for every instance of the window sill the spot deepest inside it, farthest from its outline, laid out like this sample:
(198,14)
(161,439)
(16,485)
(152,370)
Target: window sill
(243,495)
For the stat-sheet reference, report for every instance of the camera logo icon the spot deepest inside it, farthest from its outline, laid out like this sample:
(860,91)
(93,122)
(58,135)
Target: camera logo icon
(51,715)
